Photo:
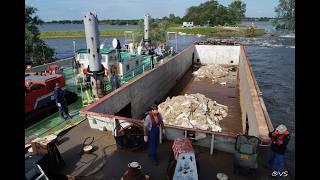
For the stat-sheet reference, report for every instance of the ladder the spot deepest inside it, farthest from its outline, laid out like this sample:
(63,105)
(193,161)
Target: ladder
(34,171)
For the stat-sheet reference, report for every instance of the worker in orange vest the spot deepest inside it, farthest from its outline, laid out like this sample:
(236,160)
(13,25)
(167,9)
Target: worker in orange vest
(279,139)
(152,124)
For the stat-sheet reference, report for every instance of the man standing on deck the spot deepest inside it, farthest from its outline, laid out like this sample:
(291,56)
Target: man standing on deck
(114,79)
(152,124)
(280,138)
(119,50)
(61,102)
(75,66)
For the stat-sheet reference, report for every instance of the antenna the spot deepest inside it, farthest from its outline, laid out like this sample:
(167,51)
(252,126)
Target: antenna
(114,43)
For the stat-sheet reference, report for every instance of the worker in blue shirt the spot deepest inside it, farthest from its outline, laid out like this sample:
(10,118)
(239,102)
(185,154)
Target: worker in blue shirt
(61,102)
(114,79)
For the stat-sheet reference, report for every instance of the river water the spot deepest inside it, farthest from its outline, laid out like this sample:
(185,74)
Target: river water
(273,62)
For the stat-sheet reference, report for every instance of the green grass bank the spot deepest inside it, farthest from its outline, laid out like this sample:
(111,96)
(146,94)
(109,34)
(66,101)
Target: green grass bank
(208,31)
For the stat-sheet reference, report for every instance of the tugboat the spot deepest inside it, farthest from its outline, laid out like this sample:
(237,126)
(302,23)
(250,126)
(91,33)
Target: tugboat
(39,89)
(39,99)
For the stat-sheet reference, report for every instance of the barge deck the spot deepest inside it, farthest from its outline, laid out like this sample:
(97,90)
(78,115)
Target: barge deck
(116,161)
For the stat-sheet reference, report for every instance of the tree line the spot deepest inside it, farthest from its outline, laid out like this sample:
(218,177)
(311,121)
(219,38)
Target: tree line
(36,50)
(286,11)
(212,13)
(260,19)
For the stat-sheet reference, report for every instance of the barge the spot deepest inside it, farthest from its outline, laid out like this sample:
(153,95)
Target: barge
(248,114)
(128,104)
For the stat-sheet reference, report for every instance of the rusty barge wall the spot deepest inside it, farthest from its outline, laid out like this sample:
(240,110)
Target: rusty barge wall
(254,113)
(219,54)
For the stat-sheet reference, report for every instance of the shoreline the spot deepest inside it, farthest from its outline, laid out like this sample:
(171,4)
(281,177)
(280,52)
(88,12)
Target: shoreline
(207,31)
(79,33)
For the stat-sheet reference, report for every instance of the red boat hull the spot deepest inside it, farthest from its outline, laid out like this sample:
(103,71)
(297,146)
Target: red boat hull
(40,97)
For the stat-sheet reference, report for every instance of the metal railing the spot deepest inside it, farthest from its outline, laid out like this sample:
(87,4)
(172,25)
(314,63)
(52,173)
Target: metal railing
(44,67)
(135,72)
(145,67)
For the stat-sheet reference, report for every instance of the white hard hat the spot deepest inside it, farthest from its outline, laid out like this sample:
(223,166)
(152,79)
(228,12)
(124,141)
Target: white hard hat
(222,176)
(281,128)
(135,165)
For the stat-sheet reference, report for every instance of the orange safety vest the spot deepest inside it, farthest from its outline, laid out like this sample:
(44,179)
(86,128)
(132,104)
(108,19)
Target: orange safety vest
(154,124)
(85,70)
(280,138)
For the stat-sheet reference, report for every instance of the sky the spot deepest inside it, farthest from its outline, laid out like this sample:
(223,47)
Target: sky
(49,10)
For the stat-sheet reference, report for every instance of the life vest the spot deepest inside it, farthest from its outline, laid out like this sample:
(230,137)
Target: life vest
(280,137)
(53,68)
(154,124)
(85,70)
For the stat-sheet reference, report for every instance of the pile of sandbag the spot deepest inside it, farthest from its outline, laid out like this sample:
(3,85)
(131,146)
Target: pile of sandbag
(211,72)
(193,111)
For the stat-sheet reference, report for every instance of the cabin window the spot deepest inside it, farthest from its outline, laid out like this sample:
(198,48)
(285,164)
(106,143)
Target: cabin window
(127,67)
(83,56)
(36,86)
(231,62)
(103,58)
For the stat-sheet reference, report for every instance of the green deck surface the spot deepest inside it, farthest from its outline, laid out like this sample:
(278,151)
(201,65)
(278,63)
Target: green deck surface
(53,124)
